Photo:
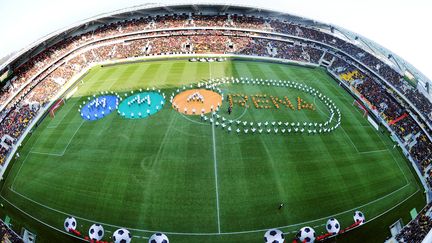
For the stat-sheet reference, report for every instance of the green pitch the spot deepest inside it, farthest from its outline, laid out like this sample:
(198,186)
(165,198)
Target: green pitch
(197,182)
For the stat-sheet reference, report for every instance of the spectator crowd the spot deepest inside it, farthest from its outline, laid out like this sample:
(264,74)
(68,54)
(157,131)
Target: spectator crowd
(8,235)
(418,228)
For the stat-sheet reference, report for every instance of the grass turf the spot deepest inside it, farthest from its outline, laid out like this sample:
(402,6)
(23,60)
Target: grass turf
(160,173)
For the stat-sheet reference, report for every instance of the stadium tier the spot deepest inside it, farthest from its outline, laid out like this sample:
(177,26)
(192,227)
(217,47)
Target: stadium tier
(213,52)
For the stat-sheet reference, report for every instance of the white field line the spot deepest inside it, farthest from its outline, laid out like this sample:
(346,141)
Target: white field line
(51,154)
(216,178)
(167,131)
(64,150)
(64,115)
(374,151)
(40,221)
(366,152)
(43,153)
(221,233)
(346,134)
(403,172)
(205,123)
(70,140)
(369,126)
(58,123)
(319,109)
(138,236)
(63,124)
(66,214)
(196,122)
(217,201)
(19,170)
(52,227)
(376,131)
(350,210)
(244,112)
(394,159)
(381,214)
(215,165)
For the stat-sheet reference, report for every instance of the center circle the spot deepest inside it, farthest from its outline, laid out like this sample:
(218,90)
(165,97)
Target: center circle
(196,101)
(141,105)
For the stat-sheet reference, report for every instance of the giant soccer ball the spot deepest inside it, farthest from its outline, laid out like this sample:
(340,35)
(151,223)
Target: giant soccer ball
(306,234)
(96,232)
(70,224)
(158,238)
(359,217)
(122,236)
(333,226)
(274,236)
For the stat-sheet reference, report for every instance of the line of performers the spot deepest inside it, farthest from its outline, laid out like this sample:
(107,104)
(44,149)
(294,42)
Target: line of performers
(195,97)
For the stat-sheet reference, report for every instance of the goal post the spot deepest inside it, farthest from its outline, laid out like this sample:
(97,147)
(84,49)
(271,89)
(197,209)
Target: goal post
(361,107)
(59,103)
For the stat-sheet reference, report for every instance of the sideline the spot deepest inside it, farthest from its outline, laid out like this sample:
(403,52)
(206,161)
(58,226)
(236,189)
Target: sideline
(222,233)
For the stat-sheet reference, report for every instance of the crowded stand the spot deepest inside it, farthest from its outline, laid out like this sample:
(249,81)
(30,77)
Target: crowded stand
(418,228)
(15,123)
(8,235)
(377,95)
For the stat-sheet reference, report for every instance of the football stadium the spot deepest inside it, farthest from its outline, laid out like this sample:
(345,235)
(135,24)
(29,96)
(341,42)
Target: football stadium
(213,123)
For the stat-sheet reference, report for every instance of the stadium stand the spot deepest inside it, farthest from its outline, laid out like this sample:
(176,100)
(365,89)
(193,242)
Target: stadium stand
(39,78)
(8,235)
(418,228)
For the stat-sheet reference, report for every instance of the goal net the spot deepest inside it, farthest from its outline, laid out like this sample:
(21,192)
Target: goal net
(59,103)
(361,108)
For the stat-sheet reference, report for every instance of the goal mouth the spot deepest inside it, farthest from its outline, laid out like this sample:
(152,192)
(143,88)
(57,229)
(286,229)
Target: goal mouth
(361,108)
(55,107)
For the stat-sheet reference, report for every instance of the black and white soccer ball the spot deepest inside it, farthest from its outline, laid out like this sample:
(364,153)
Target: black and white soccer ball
(96,232)
(158,238)
(70,223)
(122,236)
(274,236)
(333,226)
(359,217)
(306,234)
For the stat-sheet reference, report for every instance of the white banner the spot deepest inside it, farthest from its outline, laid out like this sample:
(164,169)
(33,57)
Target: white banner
(374,124)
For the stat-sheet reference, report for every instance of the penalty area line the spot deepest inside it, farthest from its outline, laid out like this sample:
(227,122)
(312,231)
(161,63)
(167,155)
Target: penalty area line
(66,147)
(70,140)
(346,134)
(42,153)
(374,151)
